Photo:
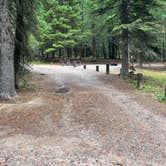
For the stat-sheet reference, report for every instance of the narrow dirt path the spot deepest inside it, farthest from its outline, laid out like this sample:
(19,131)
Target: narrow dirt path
(82,121)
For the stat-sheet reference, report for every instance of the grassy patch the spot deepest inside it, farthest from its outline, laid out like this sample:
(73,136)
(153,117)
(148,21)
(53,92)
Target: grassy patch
(37,62)
(26,84)
(154,82)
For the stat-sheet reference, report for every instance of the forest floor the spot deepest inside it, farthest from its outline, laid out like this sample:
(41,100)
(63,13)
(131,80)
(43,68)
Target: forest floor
(75,117)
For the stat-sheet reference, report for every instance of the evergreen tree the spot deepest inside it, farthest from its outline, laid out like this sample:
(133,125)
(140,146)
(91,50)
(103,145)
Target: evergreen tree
(135,22)
(62,26)
(25,24)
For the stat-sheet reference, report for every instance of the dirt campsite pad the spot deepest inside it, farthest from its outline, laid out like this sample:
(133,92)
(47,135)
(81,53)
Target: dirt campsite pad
(77,117)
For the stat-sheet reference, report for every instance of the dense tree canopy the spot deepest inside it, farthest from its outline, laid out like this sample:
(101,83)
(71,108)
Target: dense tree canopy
(100,28)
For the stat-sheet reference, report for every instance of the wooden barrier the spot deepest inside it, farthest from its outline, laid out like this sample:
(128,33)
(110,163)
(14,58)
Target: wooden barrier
(139,80)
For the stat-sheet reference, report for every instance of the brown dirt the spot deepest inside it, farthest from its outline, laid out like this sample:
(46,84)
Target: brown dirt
(143,98)
(24,112)
(101,121)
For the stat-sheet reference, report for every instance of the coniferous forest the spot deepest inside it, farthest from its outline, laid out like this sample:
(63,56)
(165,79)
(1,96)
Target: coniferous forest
(82,82)
(127,30)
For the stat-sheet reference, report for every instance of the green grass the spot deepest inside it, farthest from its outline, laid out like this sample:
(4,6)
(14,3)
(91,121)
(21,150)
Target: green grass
(26,84)
(154,82)
(38,62)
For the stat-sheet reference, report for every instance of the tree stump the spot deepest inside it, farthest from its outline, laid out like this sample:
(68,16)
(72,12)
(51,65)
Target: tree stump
(139,80)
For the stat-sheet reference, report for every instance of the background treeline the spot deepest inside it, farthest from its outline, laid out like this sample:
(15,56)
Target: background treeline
(102,29)
(128,30)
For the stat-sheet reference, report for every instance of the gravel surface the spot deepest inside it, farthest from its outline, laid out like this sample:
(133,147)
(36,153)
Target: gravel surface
(80,121)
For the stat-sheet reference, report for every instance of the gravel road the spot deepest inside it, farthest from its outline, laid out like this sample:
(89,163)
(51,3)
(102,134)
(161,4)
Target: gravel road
(99,126)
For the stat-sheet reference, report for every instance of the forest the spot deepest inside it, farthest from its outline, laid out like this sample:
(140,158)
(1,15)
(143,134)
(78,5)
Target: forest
(82,82)
(132,31)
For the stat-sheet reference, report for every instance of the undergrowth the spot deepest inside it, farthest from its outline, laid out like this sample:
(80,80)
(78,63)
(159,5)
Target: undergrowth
(154,82)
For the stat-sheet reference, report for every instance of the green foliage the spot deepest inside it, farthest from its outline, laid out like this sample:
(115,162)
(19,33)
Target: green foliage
(154,82)
(161,98)
(98,25)
(59,25)
(89,28)
(24,23)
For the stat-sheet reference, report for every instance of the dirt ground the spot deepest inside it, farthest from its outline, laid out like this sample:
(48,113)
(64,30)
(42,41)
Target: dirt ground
(76,117)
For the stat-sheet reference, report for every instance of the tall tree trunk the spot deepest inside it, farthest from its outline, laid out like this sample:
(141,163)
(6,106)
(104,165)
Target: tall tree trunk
(68,51)
(140,60)
(18,42)
(60,52)
(113,46)
(104,51)
(94,43)
(75,51)
(125,62)
(109,48)
(125,39)
(94,47)
(164,44)
(82,30)
(7,88)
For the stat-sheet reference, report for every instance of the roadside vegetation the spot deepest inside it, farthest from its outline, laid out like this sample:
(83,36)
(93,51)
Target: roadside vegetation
(40,62)
(154,82)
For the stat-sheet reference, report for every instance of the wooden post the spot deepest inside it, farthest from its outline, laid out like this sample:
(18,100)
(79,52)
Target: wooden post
(120,74)
(107,68)
(84,66)
(97,68)
(139,80)
(74,63)
(165,91)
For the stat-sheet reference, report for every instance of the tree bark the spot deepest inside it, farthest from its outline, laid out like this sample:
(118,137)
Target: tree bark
(164,44)
(7,88)
(19,40)
(140,60)
(125,39)
(109,48)
(94,43)
(75,51)
(104,51)
(60,52)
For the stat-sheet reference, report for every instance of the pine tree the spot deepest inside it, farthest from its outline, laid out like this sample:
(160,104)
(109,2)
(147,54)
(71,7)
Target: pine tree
(25,24)
(63,27)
